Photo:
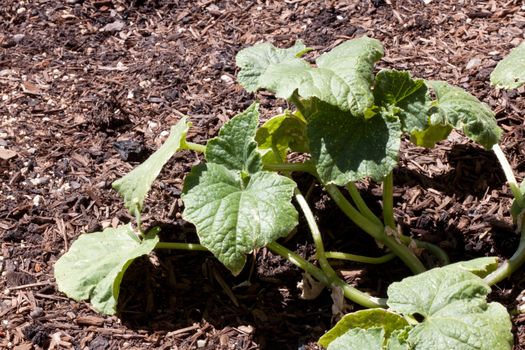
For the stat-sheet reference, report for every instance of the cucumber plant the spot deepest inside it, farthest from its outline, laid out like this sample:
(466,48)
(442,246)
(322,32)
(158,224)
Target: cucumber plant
(348,122)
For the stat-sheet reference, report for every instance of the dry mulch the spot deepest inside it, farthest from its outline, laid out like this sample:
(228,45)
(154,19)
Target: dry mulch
(89,88)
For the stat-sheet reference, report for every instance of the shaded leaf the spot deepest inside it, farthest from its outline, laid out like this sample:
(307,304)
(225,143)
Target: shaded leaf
(346,148)
(359,339)
(134,186)
(279,135)
(400,95)
(235,214)
(96,262)
(463,111)
(510,72)
(235,147)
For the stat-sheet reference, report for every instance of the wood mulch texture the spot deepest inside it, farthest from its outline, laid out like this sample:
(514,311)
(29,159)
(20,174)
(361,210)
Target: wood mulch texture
(89,88)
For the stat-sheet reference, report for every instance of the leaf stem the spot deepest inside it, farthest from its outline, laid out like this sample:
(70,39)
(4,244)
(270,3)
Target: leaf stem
(359,258)
(388,201)
(376,231)
(180,246)
(508,267)
(193,146)
(361,204)
(351,293)
(507,170)
(298,103)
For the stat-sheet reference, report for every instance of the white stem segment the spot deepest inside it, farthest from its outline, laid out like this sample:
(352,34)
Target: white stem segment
(507,169)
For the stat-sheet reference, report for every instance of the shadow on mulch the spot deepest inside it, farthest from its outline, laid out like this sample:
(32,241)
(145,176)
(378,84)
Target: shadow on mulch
(178,289)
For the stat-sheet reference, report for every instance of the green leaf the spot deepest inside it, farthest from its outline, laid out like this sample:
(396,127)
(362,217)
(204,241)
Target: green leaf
(134,186)
(346,148)
(96,262)
(481,267)
(518,205)
(235,147)
(235,214)
(455,312)
(365,319)
(280,134)
(343,77)
(400,95)
(359,339)
(461,110)
(255,60)
(510,72)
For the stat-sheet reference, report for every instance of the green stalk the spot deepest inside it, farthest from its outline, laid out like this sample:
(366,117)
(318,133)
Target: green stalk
(376,231)
(351,293)
(434,249)
(180,246)
(193,146)
(508,267)
(359,258)
(507,170)
(298,103)
(388,201)
(361,204)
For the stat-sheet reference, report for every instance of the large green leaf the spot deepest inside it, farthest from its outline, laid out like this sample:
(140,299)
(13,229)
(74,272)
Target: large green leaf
(134,186)
(343,77)
(510,72)
(455,312)
(400,95)
(463,111)
(280,134)
(96,262)
(346,148)
(481,267)
(365,319)
(235,147)
(235,214)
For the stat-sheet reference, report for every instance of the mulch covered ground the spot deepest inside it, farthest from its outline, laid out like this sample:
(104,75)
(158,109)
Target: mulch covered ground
(89,88)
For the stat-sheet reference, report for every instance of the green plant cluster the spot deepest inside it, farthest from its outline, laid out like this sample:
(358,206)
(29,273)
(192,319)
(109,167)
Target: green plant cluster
(348,121)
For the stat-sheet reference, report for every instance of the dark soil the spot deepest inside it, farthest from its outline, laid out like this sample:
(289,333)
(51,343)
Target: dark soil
(87,89)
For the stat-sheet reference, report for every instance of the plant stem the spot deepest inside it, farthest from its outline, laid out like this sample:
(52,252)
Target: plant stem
(388,201)
(511,265)
(306,167)
(361,204)
(434,249)
(180,246)
(193,146)
(376,231)
(298,103)
(507,170)
(359,258)
(351,293)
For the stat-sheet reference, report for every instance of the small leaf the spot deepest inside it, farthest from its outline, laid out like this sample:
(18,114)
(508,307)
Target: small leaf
(279,135)
(134,186)
(400,95)
(518,205)
(365,319)
(463,111)
(455,312)
(343,77)
(96,262)
(235,147)
(346,148)
(235,215)
(510,72)
(359,339)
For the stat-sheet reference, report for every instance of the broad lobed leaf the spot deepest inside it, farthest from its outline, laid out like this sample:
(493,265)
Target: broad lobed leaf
(343,76)
(134,186)
(510,72)
(233,217)
(96,262)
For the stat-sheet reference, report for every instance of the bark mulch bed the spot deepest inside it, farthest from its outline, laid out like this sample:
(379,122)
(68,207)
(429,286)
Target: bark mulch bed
(89,88)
